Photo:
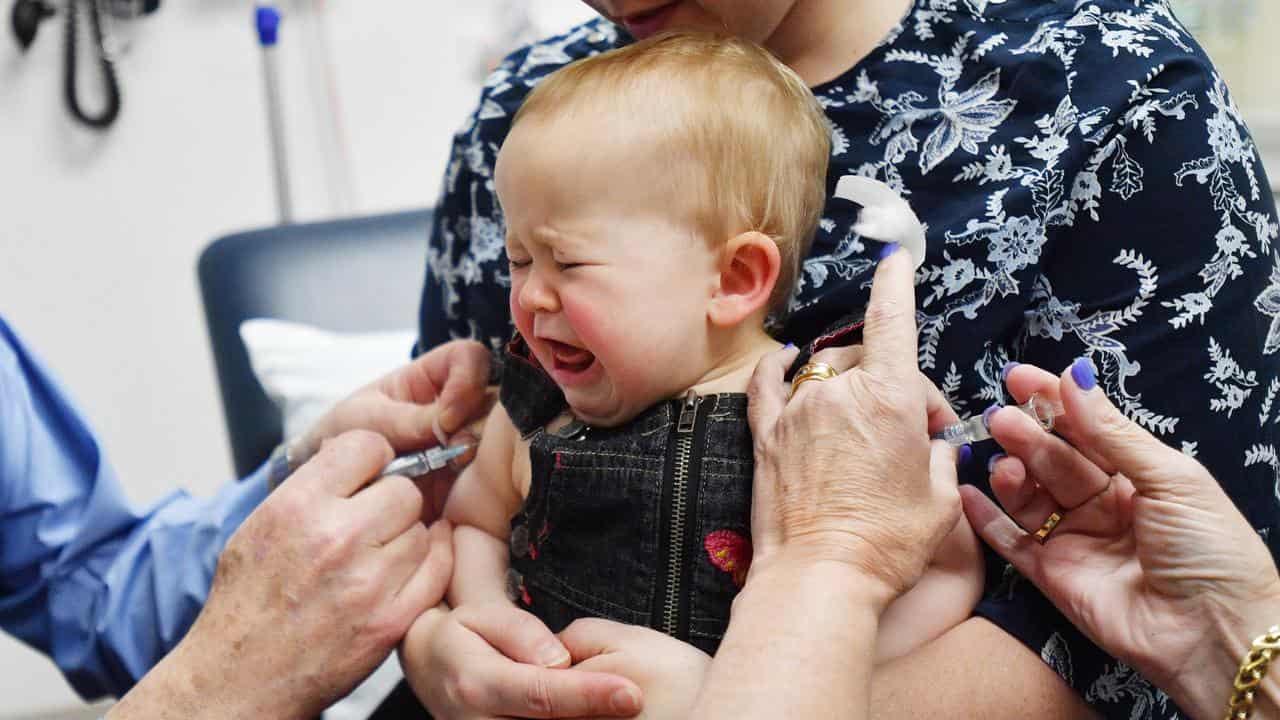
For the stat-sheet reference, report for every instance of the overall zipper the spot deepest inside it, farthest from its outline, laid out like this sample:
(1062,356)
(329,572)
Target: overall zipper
(679,497)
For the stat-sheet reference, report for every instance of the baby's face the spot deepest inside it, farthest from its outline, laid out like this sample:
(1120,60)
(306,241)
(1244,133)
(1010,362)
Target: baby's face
(610,279)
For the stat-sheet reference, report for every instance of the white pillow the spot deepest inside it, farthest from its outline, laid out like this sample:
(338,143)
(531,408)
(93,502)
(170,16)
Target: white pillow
(306,370)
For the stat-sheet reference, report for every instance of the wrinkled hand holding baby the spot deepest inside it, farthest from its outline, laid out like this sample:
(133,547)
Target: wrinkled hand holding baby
(823,454)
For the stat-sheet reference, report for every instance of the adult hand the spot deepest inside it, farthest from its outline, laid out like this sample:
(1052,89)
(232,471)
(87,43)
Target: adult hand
(416,406)
(310,595)
(844,468)
(850,504)
(467,665)
(1151,559)
(669,672)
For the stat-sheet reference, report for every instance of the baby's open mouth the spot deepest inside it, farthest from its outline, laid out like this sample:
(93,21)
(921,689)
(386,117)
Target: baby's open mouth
(570,358)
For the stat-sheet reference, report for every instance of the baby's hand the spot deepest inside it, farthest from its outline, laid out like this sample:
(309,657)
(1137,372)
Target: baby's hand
(669,672)
(517,634)
(495,659)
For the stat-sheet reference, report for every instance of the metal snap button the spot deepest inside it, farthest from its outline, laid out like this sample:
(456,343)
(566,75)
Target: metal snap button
(575,430)
(520,540)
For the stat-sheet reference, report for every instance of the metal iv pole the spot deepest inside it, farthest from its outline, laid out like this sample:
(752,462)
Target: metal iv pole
(267,20)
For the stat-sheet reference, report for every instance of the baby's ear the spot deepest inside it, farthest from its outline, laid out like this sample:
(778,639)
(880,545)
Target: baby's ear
(749,267)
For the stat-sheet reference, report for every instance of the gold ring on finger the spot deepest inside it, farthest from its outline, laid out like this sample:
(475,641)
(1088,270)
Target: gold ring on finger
(812,371)
(1042,535)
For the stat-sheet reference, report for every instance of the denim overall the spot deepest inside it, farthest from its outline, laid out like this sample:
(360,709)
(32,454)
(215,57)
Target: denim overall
(647,523)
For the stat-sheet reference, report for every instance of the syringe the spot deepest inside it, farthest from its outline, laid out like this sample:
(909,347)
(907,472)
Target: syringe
(974,429)
(420,463)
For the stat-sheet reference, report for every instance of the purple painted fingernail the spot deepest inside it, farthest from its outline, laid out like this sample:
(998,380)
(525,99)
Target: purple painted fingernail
(986,415)
(789,346)
(991,463)
(1008,368)
(889,249)
(964,455)
(1083,373)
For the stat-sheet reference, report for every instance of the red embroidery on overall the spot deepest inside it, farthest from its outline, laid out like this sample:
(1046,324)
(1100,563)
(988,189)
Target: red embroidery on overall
(731,552)
(542,537)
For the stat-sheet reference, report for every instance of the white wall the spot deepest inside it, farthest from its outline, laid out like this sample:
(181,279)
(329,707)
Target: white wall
(99,232)
(1240,36)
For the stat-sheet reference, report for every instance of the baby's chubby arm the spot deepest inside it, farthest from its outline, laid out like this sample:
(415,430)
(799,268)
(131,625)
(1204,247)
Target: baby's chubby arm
(486,657)
(480,507)
(944,597)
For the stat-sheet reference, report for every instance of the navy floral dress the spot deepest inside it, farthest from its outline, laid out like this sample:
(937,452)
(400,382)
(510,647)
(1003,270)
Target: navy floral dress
(1088,187)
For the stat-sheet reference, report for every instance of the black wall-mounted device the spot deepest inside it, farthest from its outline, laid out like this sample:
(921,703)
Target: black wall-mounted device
(25,19)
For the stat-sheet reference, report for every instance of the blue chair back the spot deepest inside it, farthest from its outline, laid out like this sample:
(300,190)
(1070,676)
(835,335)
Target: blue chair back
(363,274)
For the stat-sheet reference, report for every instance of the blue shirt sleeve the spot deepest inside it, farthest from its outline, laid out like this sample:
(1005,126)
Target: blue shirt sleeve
(101,587)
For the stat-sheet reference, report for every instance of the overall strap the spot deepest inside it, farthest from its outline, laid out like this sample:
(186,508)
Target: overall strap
(529,395)
(844,332)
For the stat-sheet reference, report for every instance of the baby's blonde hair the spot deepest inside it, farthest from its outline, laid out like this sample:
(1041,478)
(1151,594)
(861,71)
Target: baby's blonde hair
(746,120)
